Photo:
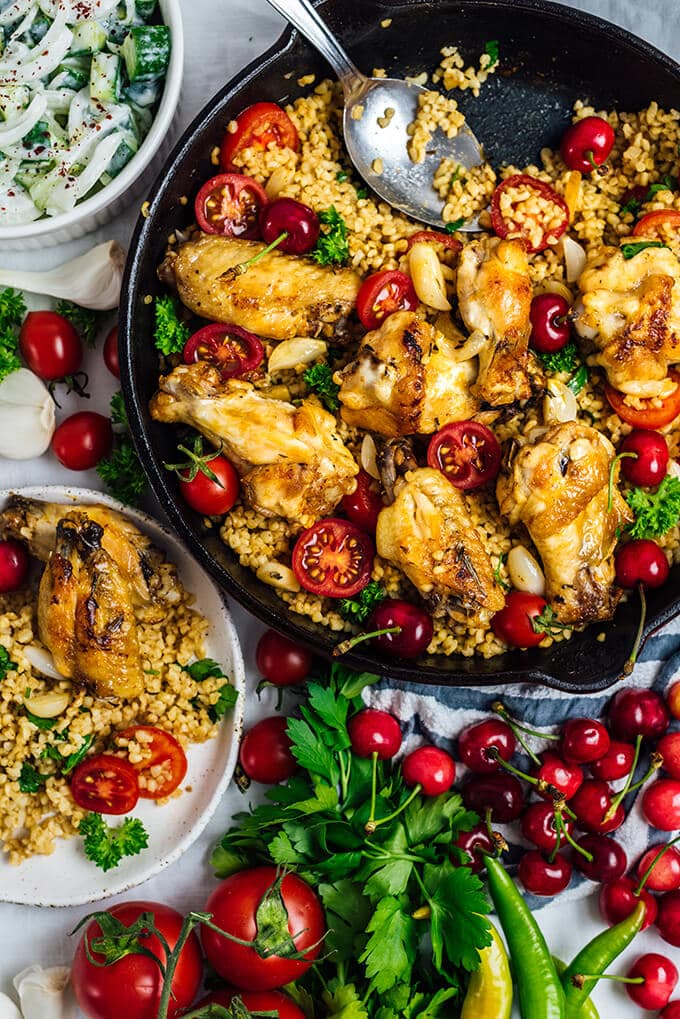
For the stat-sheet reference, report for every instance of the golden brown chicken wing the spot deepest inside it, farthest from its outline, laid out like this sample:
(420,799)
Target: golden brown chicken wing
(279,297)
(405,380)
(291,459)
(428,533)
(494,293)
(558,488)
(631,313)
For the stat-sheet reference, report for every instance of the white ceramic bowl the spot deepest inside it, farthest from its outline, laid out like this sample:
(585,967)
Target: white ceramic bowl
(131,181)
(67,878)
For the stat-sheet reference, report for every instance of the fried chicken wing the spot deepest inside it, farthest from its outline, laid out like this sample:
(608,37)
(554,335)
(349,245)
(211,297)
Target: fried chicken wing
(428,533)
(631,313)
(85,613)
(291,459)
(405,380)
(279,297)
(494,294)
(559,489)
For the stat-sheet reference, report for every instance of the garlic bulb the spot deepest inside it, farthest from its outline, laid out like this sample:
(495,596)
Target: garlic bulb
(92,280)
(45,993)
(8,1009)
(26,416)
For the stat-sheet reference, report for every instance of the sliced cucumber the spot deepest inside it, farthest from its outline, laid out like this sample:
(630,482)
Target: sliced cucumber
(39,27)
(38,137)
(145,8)
(144,93)
(88,37)
(121,157)
(142,118)
(72,74)
(14,99)
(146,51)
(105,77)
(30,170)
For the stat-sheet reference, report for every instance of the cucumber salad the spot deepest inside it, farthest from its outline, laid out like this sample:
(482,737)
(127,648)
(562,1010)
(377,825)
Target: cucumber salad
(79,81)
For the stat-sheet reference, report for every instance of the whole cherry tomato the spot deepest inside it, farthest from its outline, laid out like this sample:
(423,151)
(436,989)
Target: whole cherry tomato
(382,294)
(265,752)
(415,628)
(514,623)
(211,496)
(257,127)
(230,205)
(110,352)
(82,440)
(364,504)
(648,466)
(267,1002)
(587,143)
(641,561)
(550,328)
(13,565)
(50,345)
(467,453)
(282,661)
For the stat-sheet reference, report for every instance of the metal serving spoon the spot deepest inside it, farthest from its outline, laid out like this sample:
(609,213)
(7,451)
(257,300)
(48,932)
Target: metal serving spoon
(405,185)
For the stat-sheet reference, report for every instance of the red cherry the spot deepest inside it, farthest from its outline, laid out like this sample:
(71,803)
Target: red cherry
(475,742)
(550,328)
(616,763)
(648,467)
(661,804)
(669,748)
(591,803)
(641,561)
(635,712)
(416,628)
(567,778)
(587,143)
(665,876)
(618,900)
(471,842)
(544,877)
(609,860)
(668,920)
(660,977)
(500,793)
(584,740)
(431,768)
(374,732)
(539,826)
(297,221)
(671,1011)
(13,565)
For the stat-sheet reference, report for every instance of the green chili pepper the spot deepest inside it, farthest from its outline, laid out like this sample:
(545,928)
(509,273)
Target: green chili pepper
(596,957)
(538,985)
(588,1010)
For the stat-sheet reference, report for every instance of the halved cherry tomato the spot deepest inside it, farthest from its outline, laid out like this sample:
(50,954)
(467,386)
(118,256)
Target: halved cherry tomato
(164,751)
(653,223)
(382,294)
(256,128)
(333,558)
(466,452)
(233,350)
(650,415)
(434,237)
(105,784)
(230,205)
(364,504)
(505,209)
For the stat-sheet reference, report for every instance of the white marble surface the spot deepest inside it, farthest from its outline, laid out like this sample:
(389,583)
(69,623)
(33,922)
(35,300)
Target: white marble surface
(221,38)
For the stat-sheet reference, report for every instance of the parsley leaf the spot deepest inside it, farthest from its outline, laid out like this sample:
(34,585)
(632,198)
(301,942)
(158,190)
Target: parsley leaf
(492,49)
(227,696)
(498,578)
(40,723)
(6,663)
(319,378)
(9,358)
(451,228)
(205,668)
(578,380)
(226,700)
(310,752)
(106,846)
(347,913)
(12,308)
(85,321)
(564,360)
(122,473)
(341,176)
(70,761)
(332,247)
(391,949)
(170,334)
(458,926)
(359,608)
(30,780)
(118,411)
(343,1002)
(655,512)
(634,248)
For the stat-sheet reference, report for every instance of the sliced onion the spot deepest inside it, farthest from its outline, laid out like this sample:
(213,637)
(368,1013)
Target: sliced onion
(574,258)
(42,661)
(300,350)
(524,571)
(475,342)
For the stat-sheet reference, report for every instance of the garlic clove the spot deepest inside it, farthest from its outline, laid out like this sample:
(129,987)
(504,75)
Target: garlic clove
(42,661)
(560,404)
(8,1010)
(428,278)
(369,456)
(27,419)
(45,993)
(574,258)
(524,571)
(49,704)
(291,353)
(279,576)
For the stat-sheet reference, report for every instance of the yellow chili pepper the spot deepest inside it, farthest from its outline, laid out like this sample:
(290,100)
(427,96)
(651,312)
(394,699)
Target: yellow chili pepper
(489,993)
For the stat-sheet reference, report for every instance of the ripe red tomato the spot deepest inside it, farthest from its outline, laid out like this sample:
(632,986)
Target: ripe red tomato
(280,660)
(649,415)
(132,986)
(233,350)
(506,202)
(467,453)
(265,754)
(234,905)
(13,565)
(333,558)
(513,623)
(106,784)
(434,237)
(82,440)
(163,751)
(363,506)
(255,1001)
(50,345)
(256,128)
(110,352)
(230,205)
(208,496)
(587,143)
(382,294)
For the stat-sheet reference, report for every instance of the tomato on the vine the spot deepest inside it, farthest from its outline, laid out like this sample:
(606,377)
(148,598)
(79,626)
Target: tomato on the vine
(364,504)
(106,784)
(162,751)
(333,558)
(257,127)
(282,661)
(467,453)
(268,1002)
(82,440)
(230,205)
(382,294)
(651,413)
(50,345)
(132,986)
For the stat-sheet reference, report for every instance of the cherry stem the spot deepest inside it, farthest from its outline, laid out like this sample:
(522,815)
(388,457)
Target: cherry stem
(562,828)
(238,270)
(656,761)
(347,645)
(540,783)
(612,472)
(632,658)
(499,709)
(370,826)
(662,852)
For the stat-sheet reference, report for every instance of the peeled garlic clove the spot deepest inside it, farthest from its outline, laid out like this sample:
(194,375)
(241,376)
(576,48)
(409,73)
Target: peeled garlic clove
(50,704)
(574,258)
(277,182)
(8,1010)
(45,993)
(428,278)
(26,416)
(560,404)
(279,576)
(369,457)
(475,342)
(42,661)
(300,350)
(524,571)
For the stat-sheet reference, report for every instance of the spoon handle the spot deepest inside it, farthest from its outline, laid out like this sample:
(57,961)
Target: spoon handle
(302,15)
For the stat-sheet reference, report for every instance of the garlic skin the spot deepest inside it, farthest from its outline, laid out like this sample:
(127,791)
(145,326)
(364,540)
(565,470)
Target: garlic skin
(8,1009)
(92,280)
(27,420)
(45,993)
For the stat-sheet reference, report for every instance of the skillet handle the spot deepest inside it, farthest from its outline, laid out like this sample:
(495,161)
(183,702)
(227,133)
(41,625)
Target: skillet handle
(302,15)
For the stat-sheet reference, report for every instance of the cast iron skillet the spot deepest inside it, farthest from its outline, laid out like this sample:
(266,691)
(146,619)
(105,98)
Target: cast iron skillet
(550,56)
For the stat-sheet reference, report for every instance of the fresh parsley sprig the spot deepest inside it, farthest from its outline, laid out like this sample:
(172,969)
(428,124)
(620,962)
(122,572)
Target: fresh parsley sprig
(170,333)
(655,512)
(226,695)
(85,321)
(359,608)
(563,360)
(332,247)
(319,378)
(106,846)
(121,471)
(12,312)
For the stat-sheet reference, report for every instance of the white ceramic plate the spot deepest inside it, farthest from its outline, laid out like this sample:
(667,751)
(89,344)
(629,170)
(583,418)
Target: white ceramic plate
(67,878)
